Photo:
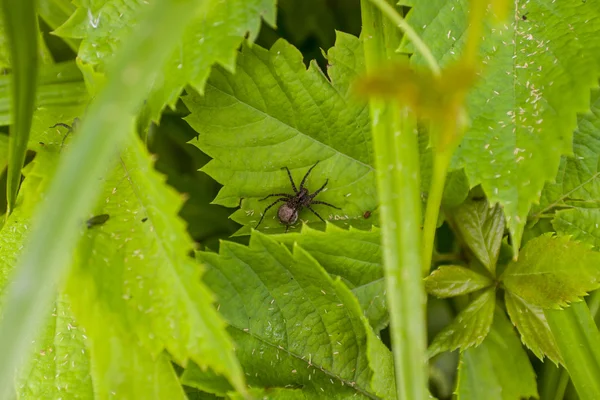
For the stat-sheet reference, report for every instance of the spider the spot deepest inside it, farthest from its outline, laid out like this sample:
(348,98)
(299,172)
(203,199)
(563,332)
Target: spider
(70,128)
(288,212)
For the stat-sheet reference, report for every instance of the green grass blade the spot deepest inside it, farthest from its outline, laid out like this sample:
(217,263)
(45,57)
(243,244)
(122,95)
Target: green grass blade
(579,342)
(72,193)
(397,162)
(21,28)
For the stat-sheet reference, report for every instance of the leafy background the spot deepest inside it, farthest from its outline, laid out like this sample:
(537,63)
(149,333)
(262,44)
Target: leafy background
(136,318)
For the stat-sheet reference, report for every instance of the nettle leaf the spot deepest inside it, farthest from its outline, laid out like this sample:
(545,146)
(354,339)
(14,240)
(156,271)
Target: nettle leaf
(577,189)
(274,113)
(469,328)
(214,37)
(553,271)
(293,324)
(578,180)
(580,223)
(498,369)
(372,300)
(533,327)
(482,228)
(454,280)
(133,275)
(60,359)
(537,76)
(60,362)
(354,255)
(46,142)
(60,86)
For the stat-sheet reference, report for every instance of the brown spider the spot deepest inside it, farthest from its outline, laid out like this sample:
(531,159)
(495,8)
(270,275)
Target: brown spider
(288,212)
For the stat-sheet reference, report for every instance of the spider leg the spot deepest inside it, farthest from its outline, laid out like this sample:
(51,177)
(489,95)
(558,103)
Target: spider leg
(267,209)
(69,130)
(312,196)
(325,204)
(316,213)
(286,195)
(63,125)
(291,179)
(306,176)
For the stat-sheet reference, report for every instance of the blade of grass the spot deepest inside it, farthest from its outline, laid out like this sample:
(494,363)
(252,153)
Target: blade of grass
(75,187)
(397,164)
(579,342)
(22,31)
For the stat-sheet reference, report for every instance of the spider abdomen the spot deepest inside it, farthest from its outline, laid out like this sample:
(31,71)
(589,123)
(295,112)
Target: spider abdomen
(287,215)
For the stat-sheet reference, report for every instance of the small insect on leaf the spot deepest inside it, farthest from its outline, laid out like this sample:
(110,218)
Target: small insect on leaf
(367,214)
(97,220)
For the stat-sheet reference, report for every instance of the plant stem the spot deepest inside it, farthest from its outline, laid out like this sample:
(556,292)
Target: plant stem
(441,161)
(397,164)
(391,13)
(73,191)
(578,340)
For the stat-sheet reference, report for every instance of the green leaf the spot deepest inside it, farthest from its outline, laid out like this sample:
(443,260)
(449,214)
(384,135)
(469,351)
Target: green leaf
(581,224)
(207,223)
(146,286)
(579,342)
(56,13)
(533,327)
(454,280)
(4,46)
(456,189)
(273,113)
(537,76)
(354,255)
(469,328)
(578,180)
(372,300)
(290,331)
(482,228)
(217,31)
(498,369)
(553,271)
(46,258)
(60,365)
(59,85)
(20,21)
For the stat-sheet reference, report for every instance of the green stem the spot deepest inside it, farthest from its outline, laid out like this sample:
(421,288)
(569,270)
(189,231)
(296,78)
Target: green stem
(578,340)
(391,13)
(553,383)
(74,189)
(397,165)
(441,161)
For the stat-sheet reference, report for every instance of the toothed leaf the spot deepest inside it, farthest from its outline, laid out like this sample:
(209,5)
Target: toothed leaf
(553,271)
(274,113)
(291,332)
(469,328)
(533,327)
(219,29)
(537,76)
(454,280)
(498,369)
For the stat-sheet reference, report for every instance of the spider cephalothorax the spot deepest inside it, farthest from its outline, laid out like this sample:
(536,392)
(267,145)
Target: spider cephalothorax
(288,212)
